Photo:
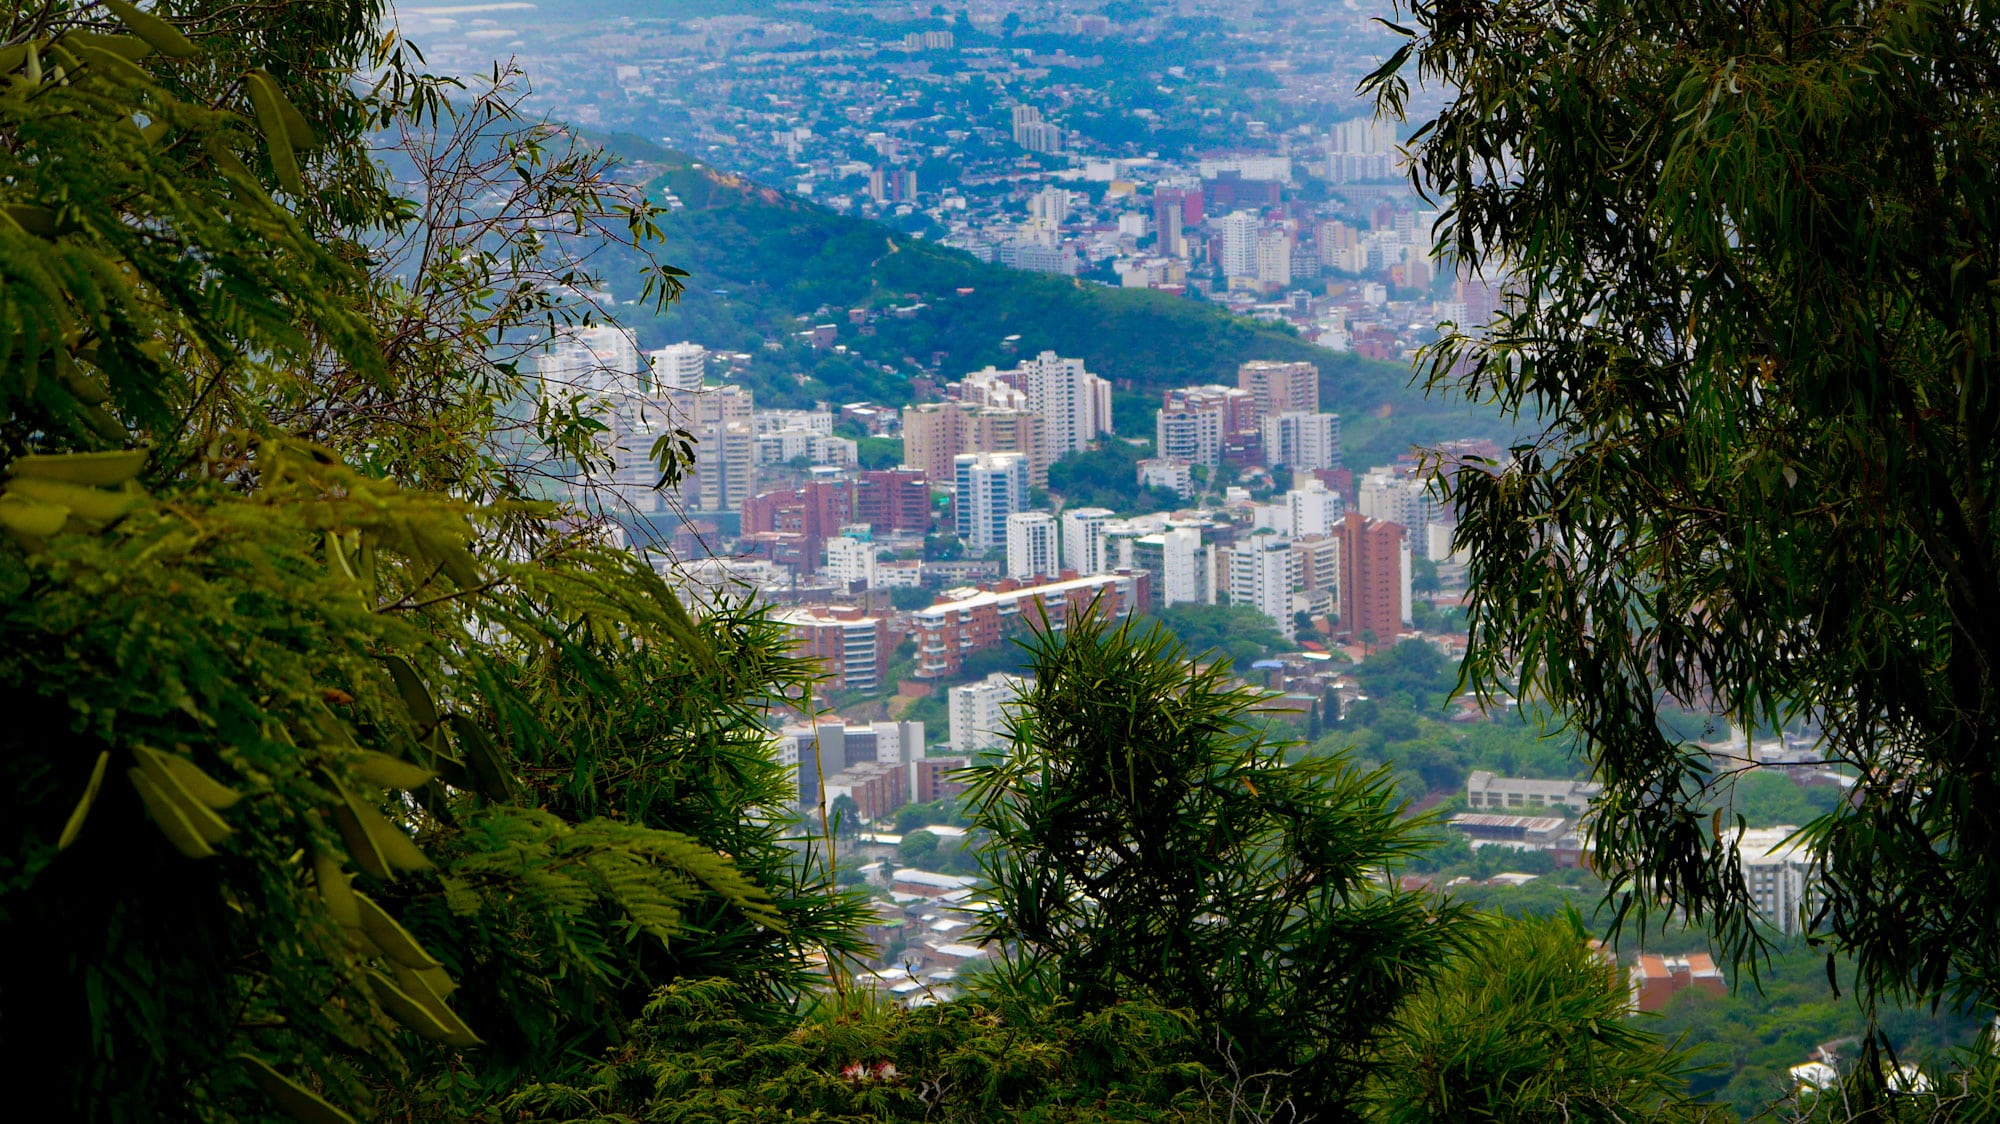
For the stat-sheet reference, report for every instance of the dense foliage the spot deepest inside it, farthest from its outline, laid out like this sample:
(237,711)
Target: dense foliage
(1751,253)
(309,780)
(1148,844)
(1529,1025)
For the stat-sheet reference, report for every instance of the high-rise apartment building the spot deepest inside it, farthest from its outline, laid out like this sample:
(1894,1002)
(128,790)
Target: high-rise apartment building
(1034,134)
(1374,578)
(1073,404)
(893,499)
(1262,572)
(593,360)
(679,366)
(1031,545)
(1196,423)
(1314,509)
(849,561)
(990,487)
(979,711)
(1083,540)
(1395,495)
(933,437)
(1362,148)
(1280,387)
(935,434)
(1183,567)
(851,647)
(1274,259)
(1302,442)
(1239,244)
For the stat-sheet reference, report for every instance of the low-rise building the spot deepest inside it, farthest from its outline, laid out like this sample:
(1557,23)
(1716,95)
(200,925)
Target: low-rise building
(1484,790)
(1655,980)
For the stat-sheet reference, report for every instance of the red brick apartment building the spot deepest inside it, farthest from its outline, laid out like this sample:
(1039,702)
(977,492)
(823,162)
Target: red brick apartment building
(792,527)
(1374,578)
(893,499)
(949,631)
(852,648)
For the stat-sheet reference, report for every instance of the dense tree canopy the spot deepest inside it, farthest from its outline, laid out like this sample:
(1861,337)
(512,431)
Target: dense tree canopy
(1751,258)
(310,774)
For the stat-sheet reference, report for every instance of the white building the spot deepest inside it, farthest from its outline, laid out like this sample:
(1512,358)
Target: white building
(1187,568)
(1083,540)
(990,487)
(1274,258)
(597,360)
(850,560)
(1175,474)
(679,366)
(1050,205)
(1302,441)
(1392,495)
(1781,877)
(1239,245)
(1031,545)
(1194,436)
(979,711)
(1262,572)
(1074,405)
(1314,509)
(1363,148)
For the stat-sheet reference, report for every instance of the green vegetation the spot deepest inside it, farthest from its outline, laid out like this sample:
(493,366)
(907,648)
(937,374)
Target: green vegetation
(322,786)
(1237,633)
(1528,1026)
(1767,453)
(1108,476)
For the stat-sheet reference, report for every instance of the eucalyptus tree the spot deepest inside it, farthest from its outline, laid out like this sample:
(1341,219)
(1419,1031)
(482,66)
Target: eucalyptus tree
(1752,261)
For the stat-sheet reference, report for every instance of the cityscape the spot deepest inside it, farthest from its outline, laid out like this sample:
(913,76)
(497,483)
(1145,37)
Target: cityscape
(880,560)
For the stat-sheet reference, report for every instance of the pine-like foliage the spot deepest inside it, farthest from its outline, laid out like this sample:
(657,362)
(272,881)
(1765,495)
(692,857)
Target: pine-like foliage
(1529,1024)
(1148,844)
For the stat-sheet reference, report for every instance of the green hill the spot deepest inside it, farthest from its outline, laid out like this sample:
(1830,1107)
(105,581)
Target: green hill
(765,265)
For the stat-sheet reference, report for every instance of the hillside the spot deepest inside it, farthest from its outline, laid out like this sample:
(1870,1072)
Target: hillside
(764,265)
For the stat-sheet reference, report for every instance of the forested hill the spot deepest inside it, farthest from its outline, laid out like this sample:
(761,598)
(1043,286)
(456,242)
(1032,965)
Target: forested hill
(765,265)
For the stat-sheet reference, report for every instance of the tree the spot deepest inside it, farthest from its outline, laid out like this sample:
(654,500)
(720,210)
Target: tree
(1528,1025)
(306,804)
(1147,843)
(1749,255)
(846,816)
(918,849)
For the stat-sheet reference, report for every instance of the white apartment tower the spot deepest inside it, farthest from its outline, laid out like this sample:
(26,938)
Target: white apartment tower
(1083,542)
(1262,570)
(595,360)
(850,560)
(1316,511)
(679,366)
(1031,545)
(979,711)
(1187,568)
(1239,245)
(1301,441)
(1274,258)
(990,487)
(1074,405)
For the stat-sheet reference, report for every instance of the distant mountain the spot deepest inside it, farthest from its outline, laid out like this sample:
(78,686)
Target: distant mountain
(765,266)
